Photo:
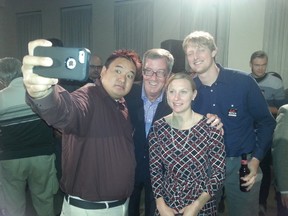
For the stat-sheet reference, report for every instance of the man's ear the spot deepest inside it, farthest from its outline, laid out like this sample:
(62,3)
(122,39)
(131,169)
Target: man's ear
(103,71)
(194,95)
(214,52)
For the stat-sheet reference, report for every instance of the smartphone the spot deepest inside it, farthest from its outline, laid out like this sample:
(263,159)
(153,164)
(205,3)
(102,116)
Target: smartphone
(68,63)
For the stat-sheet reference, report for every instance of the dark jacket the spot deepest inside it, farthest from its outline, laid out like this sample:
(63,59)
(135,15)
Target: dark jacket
(136,111)
(22,133)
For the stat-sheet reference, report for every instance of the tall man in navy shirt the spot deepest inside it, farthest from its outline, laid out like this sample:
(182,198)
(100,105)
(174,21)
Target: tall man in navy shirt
(236,98)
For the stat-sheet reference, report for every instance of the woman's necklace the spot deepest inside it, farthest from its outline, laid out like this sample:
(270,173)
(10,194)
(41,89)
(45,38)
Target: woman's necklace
(182,146)
(179,139)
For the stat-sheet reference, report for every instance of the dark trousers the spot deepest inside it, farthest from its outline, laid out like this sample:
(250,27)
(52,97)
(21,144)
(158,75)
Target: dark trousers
(149,201)
(58,152)
(281,210)
(266,180)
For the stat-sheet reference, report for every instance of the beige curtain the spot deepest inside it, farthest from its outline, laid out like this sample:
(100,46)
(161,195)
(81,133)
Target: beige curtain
(134,25)
(275,41)
(212,16)
(29,27)
(76,27)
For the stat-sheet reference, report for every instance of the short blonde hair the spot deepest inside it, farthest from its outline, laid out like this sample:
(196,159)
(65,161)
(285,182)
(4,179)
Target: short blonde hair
(201,38)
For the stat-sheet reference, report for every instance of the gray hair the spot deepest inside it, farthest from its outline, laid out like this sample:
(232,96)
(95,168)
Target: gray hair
(159,54)
(258,54)
(10,68)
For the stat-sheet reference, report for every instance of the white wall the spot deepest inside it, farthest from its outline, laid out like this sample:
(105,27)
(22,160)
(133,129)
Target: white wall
(166,21)
(246,29)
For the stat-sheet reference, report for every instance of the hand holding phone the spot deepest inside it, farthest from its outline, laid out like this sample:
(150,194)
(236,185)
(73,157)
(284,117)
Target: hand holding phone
(68,63)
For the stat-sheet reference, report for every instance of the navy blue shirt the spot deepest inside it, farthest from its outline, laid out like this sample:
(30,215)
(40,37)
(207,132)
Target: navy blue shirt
(237,99)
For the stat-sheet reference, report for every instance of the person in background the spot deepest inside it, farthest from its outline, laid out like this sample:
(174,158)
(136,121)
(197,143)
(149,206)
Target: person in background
(237,99)
(98,160)
(95,67)
(26,149)
(146,104)
(2,85)
(56,42)
(280,160)
(272,88)
(270,83)
(187,156)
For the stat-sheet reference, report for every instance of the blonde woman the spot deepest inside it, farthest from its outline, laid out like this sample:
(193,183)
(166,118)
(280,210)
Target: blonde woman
(187,156)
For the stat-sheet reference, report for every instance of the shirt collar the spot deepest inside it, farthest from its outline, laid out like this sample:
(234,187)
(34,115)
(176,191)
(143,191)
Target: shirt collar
(220,79)
(145,98)
(16,82)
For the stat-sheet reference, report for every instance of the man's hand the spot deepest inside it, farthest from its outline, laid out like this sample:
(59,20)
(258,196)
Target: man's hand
(37,86)
(250,179)
(215,121)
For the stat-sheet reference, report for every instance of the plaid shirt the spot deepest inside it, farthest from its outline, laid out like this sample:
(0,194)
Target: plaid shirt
(186,163)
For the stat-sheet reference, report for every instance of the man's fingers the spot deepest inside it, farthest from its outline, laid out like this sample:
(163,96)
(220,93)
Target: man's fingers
(249,181)
(37,86)
(216,122)
(30,61)
(35,43)
(33,79)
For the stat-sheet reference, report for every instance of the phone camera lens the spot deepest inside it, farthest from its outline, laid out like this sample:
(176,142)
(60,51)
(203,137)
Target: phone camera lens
(70,63)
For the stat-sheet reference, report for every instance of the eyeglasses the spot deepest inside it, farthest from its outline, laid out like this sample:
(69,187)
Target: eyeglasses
(150,72)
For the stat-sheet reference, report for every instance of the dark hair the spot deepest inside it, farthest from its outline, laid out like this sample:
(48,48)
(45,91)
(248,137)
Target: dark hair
(2,85)
(258,54)
(130,55)
(10,69)
(56,42)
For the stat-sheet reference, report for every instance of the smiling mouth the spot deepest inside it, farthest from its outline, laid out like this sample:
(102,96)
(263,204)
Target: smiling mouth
(177,104)
(197,62)
(153,83)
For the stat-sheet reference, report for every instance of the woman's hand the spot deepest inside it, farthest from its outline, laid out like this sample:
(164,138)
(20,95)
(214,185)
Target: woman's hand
(191,210)
(194,208)
(163,209)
